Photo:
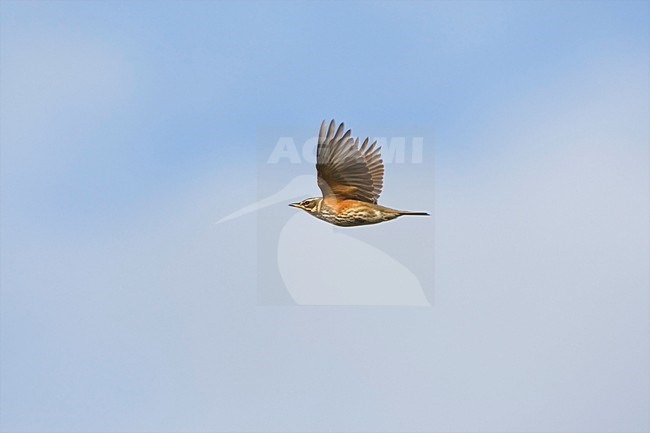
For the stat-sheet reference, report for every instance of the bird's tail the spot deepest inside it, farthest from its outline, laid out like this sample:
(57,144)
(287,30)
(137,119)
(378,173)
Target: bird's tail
(413,213)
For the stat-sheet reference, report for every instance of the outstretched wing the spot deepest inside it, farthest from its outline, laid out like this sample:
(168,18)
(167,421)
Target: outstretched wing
(345,170)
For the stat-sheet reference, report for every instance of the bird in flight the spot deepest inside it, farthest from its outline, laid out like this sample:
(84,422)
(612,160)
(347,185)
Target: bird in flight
(350,178)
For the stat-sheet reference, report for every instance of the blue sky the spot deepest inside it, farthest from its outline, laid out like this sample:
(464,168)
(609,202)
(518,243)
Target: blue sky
(128,128)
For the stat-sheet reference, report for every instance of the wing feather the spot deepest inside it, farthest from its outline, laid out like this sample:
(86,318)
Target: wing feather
(345,170)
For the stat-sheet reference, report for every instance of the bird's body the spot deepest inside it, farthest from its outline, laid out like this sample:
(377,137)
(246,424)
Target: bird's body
(351,179)
(349,213)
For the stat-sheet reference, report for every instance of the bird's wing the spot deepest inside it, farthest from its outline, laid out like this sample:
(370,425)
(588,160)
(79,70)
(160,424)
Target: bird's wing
(345,170)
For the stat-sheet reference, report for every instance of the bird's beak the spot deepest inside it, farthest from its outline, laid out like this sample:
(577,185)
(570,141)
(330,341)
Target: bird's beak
(294,204)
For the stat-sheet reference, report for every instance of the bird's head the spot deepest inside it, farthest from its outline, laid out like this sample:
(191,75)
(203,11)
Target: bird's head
(308,204)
